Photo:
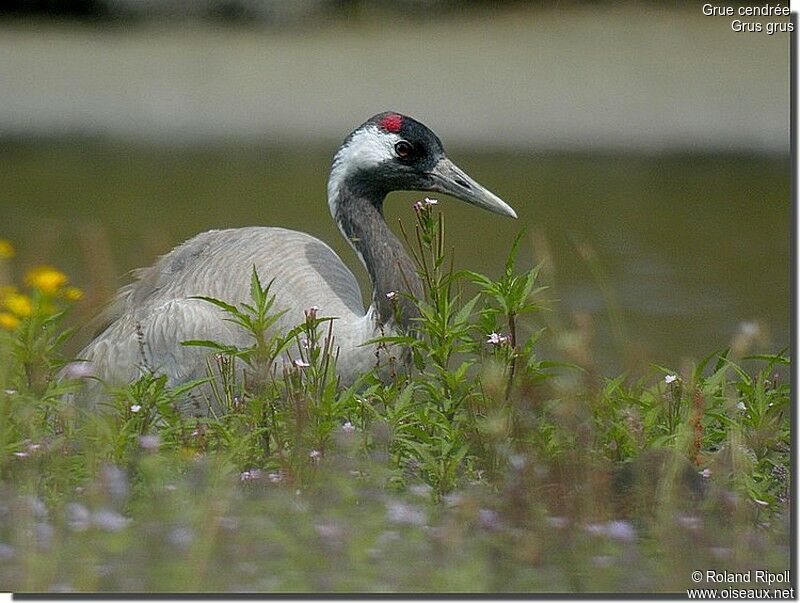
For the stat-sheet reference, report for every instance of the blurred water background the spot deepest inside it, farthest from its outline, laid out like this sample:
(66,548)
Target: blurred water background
(641,139)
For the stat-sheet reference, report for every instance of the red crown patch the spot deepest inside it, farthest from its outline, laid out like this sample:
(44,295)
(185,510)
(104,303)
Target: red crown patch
(391,123)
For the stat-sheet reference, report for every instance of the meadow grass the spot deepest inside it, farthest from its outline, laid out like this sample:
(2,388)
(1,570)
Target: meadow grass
(478,465)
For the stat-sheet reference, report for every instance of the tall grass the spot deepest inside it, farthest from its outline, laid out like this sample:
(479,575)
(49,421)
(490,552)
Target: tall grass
(472,464)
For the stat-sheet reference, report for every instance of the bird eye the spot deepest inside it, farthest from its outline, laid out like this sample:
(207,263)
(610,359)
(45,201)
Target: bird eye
(403,148)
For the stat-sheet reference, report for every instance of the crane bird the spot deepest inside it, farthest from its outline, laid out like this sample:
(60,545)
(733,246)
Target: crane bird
(154,314)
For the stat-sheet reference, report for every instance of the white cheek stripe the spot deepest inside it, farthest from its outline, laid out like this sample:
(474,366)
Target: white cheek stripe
(368,147)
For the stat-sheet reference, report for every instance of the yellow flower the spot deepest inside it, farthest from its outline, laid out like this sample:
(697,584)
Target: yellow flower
(46,279)
(7,291)
(73,293)
(18,304)
(6,250)
(8,321)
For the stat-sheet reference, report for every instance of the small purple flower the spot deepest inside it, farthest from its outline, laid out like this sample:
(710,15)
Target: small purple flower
(300,363)
(690,522)
(328,531)
(312,312)
(602,561)
(706,473)
(425,204)
(181,537)
(616,529)
(79,519)
(620,530)
(559,523)
(110,521)
(150,442)
(488,519)
(399,512)
(497,339)
(227,523)
(6,552)
(135,408)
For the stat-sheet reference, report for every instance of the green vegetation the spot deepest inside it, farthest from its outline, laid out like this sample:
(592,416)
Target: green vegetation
(483,468)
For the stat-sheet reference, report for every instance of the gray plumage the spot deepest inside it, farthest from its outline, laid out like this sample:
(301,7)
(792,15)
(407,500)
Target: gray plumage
(149,318)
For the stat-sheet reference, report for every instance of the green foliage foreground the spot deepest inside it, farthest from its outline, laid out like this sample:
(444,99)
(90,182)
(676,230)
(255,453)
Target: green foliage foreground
(484,468)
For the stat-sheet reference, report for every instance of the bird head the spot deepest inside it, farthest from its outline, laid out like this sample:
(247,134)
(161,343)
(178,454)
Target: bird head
(393,152)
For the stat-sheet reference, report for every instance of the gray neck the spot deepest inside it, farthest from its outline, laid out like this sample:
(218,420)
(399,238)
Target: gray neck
(360,218)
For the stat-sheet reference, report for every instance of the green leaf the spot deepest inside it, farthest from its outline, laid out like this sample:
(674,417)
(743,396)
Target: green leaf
(230,309)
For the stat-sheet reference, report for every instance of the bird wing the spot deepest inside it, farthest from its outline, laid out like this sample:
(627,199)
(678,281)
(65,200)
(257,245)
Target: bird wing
(150,317)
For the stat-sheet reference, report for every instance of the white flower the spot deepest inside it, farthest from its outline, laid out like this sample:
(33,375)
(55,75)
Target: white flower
(391,295)
(670,379)
(741,406)
(348,427)
(749,328)
(426,203)
(300,363)
(135,408)
(251,475)
(314,455)
(497,339)
(705,472)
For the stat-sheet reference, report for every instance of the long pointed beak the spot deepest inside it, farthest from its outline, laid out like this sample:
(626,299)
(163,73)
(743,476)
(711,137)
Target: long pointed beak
(449,179)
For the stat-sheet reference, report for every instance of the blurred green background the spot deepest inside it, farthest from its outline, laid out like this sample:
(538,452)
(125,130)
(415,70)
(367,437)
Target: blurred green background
(649,136)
